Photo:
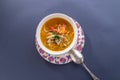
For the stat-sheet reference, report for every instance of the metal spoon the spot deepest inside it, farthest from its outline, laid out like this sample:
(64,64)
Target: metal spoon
(78,58)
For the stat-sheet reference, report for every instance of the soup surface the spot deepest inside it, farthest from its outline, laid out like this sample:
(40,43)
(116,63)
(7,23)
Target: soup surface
(57,34)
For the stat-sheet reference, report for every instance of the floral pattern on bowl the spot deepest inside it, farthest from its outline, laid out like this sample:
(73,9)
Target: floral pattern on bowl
(63,59)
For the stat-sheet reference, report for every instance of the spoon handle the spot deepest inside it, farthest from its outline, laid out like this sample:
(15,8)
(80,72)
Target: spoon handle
(92,75)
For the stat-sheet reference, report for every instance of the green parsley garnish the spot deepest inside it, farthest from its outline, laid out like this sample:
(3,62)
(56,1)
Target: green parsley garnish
(57,37)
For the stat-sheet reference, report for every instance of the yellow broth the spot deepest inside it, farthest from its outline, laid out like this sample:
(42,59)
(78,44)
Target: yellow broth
(57,34)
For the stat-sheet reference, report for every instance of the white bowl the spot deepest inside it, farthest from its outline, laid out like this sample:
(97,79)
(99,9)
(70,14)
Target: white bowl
(51,16)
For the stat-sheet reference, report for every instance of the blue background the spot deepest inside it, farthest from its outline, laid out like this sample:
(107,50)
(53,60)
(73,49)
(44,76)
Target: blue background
(19,59)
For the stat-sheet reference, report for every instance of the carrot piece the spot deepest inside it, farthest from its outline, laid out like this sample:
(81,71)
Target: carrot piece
(53,29)
(62,29)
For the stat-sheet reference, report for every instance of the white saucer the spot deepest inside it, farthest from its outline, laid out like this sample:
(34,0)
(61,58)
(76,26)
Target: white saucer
(63,59)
